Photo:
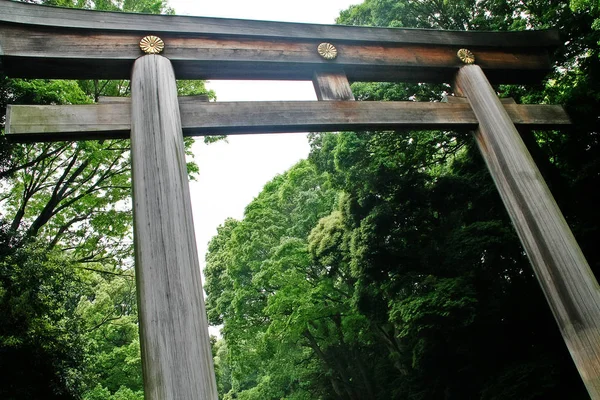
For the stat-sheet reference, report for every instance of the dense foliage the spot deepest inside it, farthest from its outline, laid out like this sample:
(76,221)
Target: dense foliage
(385,266)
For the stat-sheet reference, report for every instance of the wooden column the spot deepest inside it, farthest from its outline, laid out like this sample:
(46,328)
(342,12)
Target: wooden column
(563,272)
(176,354)
(332,86)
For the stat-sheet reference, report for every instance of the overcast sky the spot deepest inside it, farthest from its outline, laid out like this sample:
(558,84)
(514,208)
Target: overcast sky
(233,173)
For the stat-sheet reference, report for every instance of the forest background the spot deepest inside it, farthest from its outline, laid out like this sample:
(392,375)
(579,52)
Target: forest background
(382,267)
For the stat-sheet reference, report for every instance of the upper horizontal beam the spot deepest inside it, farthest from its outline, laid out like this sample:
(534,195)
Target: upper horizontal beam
(112,120)
(46,42)
(56,17)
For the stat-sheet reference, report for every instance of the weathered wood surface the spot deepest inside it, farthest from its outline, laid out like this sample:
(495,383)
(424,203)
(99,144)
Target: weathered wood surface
(45,42)
(127,100)
(332,86)
(112,121)
(176,354)
(45,53)
(562,271)
(461,99)
(143,24)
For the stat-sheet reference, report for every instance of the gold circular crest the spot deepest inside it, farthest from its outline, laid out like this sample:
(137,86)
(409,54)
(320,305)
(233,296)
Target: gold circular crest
(152,44)
(466,56)
(327,51)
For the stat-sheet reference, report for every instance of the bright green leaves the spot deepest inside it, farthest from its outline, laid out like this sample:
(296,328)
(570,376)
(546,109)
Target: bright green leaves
(40,91)
(327,242)
(124,393)
(193,88)
(217,283)
(73,194)
(262,285)
(110,317)
(451,14)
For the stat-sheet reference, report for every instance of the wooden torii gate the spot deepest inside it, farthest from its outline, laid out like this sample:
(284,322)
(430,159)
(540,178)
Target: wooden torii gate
(45,42)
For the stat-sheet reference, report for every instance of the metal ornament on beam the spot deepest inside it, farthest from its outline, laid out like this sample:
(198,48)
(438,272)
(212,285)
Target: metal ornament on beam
(466,56)
(152,44)
(327,51)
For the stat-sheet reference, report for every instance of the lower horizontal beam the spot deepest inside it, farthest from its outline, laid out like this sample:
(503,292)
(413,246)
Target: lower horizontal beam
(112,120)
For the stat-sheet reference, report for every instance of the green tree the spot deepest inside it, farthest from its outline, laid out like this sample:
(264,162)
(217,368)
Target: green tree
(41,340)
(261,285)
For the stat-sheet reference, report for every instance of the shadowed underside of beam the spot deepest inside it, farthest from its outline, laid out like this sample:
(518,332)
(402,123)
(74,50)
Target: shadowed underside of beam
(112,120)
(47,42)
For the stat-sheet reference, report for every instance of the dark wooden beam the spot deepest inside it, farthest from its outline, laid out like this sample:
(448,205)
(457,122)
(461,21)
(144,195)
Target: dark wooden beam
(143,24)
(78,122)
(45,42)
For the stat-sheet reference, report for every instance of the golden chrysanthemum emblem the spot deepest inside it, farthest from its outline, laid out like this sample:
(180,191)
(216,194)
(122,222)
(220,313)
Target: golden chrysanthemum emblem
(466,56)
(327,51)
(152,44)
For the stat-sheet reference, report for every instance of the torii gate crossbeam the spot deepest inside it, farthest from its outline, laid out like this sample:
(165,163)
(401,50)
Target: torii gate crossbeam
(44,42)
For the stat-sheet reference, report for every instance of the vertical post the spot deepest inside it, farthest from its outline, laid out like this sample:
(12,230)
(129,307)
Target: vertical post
(176,354)
(332,86)
(562,271)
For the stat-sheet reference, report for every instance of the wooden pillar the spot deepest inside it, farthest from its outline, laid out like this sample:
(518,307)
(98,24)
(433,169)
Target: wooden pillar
(176,354)
(563,272)
(332,86)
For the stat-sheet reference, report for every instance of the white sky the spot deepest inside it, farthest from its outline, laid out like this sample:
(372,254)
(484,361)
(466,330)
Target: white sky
(234,173)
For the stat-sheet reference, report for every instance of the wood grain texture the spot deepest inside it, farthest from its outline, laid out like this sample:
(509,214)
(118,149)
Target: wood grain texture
(43,52)
(112,121)
(127,100)
(561,268)
(176,354)
(143,24)
(461,99)
(46,42)
(332,86)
